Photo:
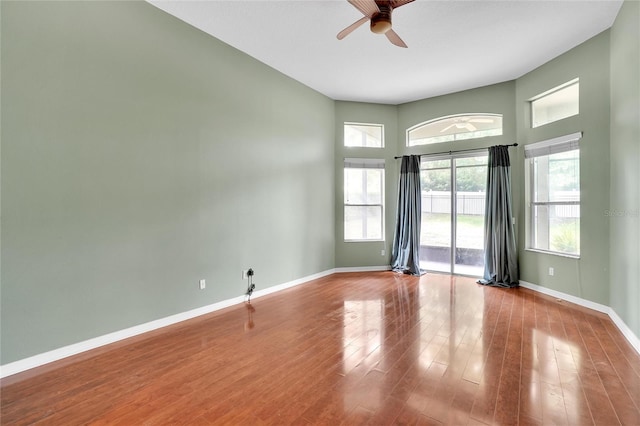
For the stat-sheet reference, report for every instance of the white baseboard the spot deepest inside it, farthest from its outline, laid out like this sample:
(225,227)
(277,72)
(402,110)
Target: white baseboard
(76,348)
(96,342)
(363,268)
(280,287)
(624,328)
(569,298)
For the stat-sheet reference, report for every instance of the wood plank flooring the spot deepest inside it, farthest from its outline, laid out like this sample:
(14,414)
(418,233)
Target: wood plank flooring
(358,348)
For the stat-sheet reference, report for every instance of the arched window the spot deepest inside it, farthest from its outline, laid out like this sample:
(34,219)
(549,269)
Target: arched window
(455,127)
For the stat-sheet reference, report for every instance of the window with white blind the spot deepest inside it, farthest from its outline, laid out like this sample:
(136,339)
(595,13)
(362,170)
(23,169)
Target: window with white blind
(363,199)
(553,195)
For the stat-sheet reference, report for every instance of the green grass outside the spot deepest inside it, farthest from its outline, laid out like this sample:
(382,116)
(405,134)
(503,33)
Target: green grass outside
(436,230)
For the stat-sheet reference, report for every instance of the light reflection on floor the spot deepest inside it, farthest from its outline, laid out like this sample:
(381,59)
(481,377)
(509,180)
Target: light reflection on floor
(445,348)
(428,314)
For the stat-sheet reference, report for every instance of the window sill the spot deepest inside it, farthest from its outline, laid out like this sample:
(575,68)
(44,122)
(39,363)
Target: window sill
(554,253)
(364,241)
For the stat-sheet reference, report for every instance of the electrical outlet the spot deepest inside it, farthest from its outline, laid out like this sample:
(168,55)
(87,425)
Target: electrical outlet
(551,271)
(244,274)
(203,284)
(383,252)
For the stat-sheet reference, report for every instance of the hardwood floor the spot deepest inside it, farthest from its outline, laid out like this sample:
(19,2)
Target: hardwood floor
(358,348)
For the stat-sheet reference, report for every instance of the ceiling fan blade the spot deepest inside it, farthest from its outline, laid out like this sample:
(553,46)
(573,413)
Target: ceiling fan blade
(470,127)
(367,7)
(395,38)
(397,3)
(447,128)
(342,34)
(481,120)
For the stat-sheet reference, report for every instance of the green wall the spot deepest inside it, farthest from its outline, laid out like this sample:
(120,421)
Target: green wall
(369,253)
(494,99)
(586,277)
(498,99)
(624,204)
(140,155)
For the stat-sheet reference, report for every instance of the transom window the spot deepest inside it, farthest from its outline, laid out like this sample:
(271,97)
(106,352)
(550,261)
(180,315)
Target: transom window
(455,127)
(364,135)
(555,104)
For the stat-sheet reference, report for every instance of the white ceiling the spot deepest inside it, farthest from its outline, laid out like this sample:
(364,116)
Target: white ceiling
(454,45)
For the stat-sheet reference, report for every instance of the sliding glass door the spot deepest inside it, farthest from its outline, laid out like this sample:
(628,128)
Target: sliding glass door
(436,227)
(453,193)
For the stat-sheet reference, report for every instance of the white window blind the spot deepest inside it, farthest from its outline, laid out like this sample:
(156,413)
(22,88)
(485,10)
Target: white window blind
(553,146)
(363,163)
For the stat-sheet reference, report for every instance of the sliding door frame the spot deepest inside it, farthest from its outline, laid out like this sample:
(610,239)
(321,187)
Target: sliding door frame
(452,157)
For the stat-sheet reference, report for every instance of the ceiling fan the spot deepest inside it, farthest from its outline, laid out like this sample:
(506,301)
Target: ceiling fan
(379,13)
(465,123)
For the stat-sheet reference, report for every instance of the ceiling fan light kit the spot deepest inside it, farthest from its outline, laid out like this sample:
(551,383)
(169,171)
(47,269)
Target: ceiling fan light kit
(378,12)
(381,22)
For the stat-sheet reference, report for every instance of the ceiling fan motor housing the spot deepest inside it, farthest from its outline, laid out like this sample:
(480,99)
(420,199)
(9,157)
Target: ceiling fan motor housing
(381,21)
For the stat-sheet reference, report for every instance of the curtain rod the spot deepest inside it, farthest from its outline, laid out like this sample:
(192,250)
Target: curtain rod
(451,152)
